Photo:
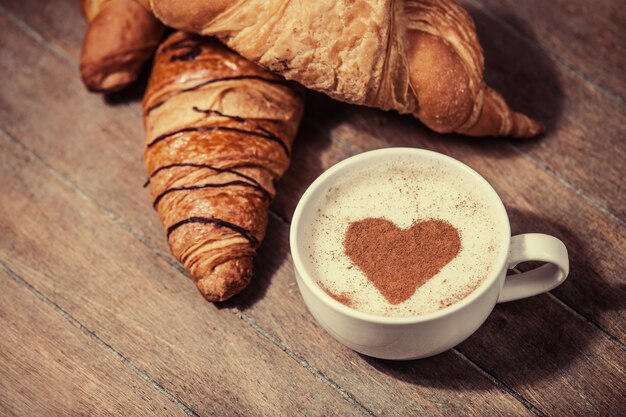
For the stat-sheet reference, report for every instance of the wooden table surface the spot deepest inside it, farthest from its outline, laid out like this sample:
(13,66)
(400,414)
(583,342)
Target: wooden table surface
(97,318)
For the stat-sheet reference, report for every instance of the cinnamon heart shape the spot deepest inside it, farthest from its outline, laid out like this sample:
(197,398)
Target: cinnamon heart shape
(397,261)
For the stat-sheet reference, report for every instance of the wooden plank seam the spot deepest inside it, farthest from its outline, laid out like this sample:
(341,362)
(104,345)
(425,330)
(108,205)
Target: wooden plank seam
(580,316)
(532,407)
(304,363)
(590,200)
(107,347)
(555,58)
(25,27)
(173,262)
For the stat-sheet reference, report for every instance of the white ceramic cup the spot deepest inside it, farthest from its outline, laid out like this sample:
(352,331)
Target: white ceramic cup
(428,334)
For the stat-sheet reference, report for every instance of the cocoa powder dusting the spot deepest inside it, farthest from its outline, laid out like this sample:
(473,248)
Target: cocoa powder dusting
(458,297)
(343,298)
(397,262)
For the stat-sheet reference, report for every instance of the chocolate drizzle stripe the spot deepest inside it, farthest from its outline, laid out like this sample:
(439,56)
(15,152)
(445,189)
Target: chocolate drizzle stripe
(266,195)
(217,80)
(264,130)
(191,52)
(218,223)
(156,105)
(265,134)
(219,113)
(207,166)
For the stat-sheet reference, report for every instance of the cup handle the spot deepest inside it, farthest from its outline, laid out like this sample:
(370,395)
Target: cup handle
(535,247)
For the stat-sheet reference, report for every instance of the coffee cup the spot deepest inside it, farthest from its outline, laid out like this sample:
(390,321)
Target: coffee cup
(423,335)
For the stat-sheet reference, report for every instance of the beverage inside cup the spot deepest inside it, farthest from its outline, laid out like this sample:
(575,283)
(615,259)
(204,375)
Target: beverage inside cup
(403,236)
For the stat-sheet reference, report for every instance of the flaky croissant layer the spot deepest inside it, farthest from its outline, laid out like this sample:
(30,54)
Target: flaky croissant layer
(415,56)
(218,134)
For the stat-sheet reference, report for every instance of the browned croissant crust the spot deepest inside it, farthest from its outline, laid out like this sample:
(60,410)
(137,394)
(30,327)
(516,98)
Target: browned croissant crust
(219,131)
(420,57)
(122,35)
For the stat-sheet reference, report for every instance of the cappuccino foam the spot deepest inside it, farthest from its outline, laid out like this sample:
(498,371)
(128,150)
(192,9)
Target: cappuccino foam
(403,190)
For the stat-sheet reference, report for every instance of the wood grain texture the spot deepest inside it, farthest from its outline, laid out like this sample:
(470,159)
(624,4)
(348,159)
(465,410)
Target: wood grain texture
(82,163)
(561,359)
(50,367)
(589,39)
(59,22)
(133,300)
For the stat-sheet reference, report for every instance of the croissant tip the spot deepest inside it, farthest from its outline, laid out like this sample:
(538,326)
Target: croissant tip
(108,83)
(531,129)
(99,77)
(226,280)
(540,129)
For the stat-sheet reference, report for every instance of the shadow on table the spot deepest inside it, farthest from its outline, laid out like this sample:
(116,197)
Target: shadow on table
(587,290)
(522,342)
(310,144)
(521,72)
(444,371)
(304,168)
(133,92)
(270,256)
(518,68)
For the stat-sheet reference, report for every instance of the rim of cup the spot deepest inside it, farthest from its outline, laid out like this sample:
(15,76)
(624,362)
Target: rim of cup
(324,179)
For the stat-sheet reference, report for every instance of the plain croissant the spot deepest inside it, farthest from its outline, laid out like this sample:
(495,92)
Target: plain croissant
(218,134)
(420,57)
(121,36)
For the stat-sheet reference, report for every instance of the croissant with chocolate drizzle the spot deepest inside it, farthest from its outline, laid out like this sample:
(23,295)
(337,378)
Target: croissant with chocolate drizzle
(219,131)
